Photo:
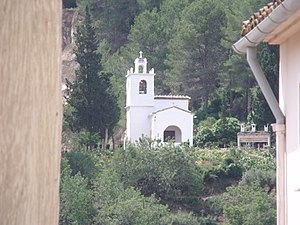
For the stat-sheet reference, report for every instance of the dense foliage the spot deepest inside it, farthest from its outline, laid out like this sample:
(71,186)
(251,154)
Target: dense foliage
(94,108)
(188,42)
(217,133)
(152,184)
(165,171)
(189,45)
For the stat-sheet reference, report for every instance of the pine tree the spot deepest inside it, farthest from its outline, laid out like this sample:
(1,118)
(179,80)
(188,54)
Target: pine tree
(95,108)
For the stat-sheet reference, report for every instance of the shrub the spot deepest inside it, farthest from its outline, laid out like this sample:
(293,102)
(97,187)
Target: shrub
(220,133)
(116,204)
(225,131)
(83,162)
(204,137)
(266,179)
(167,171)
(244,205)
(76,205)
(182,218)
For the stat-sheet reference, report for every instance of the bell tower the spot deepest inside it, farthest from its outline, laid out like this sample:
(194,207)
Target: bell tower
(140,84)
(139,99)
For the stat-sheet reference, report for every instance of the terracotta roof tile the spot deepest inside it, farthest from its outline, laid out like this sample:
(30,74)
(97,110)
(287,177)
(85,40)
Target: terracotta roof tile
(259,16)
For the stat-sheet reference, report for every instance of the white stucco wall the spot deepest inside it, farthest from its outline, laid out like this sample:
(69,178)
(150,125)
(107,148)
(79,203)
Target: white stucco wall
(138,122)
(166,103)
(289,102)
(133,97)
(173,117)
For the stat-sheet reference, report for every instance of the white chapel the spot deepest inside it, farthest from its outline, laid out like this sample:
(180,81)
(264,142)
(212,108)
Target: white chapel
(159,117)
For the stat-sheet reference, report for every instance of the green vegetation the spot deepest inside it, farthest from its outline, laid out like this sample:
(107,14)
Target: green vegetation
(189,45)
(92,105)
(168,185)
(217,133)
(188,42)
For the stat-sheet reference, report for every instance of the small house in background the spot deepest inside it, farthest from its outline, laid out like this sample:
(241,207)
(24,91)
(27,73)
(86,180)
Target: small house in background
(159,117)
(279,23)
(254,138)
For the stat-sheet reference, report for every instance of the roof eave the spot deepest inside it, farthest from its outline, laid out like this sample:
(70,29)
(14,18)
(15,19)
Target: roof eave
(267,26)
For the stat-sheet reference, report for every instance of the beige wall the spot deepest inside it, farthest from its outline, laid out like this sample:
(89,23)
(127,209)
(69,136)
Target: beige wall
(30,111)
(289,103)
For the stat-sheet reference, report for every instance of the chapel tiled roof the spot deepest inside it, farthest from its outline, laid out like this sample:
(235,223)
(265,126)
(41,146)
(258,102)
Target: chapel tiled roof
(259,16)
(172,107)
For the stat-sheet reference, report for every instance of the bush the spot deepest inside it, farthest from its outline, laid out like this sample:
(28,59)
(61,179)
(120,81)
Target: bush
(167,171)
(76,206)
(182,218)
(204,137)
(266,179)
(83,162)
(244,205)
(254,158)
(218,163)
(220,133)
(225,131)
(118,205)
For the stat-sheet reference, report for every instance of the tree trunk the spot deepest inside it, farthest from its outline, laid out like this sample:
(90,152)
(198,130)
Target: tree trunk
(106,138)
(30,111)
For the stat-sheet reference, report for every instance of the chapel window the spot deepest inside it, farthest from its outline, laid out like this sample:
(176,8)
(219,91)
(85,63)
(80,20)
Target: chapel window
(143,87)
(141,69)
(169,135)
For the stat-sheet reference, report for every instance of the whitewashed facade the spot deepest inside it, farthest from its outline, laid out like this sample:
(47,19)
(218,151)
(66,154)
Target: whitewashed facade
(161,117)
(281,26)
(289,100)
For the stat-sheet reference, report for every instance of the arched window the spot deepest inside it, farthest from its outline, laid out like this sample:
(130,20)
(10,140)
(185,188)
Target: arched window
(141,69)
(143,87)
(172,133)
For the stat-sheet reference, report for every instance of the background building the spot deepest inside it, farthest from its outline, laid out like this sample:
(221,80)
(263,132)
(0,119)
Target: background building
(161,117)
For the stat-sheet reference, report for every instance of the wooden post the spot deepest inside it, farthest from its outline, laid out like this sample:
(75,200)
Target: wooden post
(30,111)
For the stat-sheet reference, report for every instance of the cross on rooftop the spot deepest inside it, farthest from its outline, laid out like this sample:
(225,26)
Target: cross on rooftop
(141,54)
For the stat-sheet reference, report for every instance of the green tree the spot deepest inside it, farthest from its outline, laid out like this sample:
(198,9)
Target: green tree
(246,205)
(147,34)
(204,137)
(221,133)
(265,178)
(196,53)
(118,64)
(76,202)
(183,218)
(225,130)
(116,204)
(234,92)
(269,59)
(236,79)
(167,171)
(69,4)
(149,4)
(151,32)
(94,105)
(112,20)
(83,162)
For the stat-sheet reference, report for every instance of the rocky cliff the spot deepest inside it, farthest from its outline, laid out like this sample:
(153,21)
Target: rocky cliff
(69,65)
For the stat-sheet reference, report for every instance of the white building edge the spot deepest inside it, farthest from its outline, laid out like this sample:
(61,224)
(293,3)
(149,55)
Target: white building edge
(160,117)
(281,26)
